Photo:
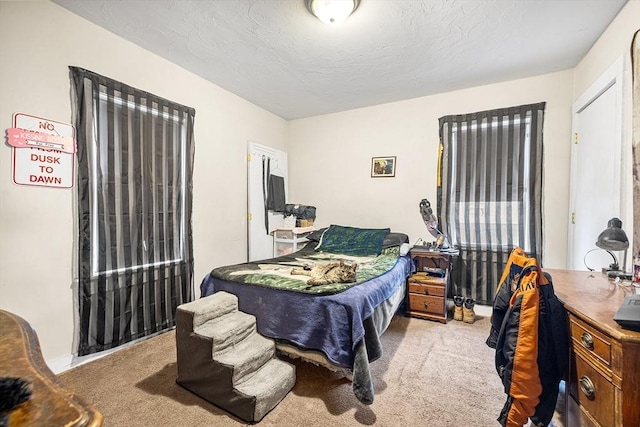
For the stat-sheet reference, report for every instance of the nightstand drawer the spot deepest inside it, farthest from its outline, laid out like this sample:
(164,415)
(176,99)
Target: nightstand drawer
(426,304)
(594,392)
(590,341)
(433,290)
(425,279)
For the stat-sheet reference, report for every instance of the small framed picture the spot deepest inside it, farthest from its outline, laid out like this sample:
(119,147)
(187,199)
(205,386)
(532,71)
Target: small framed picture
(383,167)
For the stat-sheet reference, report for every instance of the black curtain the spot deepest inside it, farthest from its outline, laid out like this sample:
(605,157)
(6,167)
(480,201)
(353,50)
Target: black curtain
(490,193)
(134,194)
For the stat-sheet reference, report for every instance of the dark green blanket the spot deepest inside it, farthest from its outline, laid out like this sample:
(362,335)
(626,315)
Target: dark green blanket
(276,272)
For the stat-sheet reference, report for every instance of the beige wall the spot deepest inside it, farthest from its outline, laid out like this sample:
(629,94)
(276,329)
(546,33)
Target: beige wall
(330,157)
(614,43)
(39,40)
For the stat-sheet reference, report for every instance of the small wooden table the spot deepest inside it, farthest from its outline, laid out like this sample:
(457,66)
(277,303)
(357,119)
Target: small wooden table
(50,404)
(426,295)
(603,384)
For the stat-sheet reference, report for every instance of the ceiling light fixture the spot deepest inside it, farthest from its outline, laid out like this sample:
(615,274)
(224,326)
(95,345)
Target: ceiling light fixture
(332,11)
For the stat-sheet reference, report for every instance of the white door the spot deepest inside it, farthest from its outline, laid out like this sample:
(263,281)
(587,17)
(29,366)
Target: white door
(260,241)
(596,170)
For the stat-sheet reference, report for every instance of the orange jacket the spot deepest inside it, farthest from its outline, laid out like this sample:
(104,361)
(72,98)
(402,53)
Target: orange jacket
(532,343)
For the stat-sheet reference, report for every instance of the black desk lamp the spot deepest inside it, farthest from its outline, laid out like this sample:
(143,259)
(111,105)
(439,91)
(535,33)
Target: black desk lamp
(615,239)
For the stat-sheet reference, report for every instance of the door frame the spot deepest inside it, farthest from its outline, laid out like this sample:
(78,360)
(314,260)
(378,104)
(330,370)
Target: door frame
(612,77)
(262,242)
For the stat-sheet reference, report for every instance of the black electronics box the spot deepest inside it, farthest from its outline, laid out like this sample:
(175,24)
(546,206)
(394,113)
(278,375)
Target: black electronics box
(628,315)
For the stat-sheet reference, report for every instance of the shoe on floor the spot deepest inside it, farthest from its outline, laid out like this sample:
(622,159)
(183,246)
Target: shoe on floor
(457,309)
(468,315)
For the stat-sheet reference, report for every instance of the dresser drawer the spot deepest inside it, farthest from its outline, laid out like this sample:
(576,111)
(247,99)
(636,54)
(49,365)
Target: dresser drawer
(426,304)
(433,290)
(591,341)
(592,391)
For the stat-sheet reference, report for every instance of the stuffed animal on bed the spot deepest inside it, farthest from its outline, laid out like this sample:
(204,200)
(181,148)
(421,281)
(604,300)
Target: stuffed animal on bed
(333,272)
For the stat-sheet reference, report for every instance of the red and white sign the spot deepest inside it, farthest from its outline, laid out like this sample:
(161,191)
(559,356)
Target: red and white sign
(41,154)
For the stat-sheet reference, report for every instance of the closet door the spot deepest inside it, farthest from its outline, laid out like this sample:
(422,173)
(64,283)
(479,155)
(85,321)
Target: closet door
(596,170)
(259,157)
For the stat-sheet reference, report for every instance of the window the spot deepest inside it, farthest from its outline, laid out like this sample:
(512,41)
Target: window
(135,160)
(490,192)
(491,222)
(160,240)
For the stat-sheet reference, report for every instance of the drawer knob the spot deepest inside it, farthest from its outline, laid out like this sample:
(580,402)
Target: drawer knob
(587,340)
(587,387)
(426,291)
(426,305)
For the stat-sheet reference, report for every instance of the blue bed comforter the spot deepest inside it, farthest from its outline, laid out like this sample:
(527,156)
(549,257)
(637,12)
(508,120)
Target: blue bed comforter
(339,325)
(332,324)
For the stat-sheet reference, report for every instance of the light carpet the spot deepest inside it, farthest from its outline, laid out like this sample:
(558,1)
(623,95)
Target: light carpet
(430,374)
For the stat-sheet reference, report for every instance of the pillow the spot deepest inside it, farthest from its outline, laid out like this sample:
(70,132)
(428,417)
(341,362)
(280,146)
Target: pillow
(352,241)
(394,239)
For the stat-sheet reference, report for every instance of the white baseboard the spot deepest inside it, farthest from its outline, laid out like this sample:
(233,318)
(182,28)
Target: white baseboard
(69,361)
(483,310)
(60,364)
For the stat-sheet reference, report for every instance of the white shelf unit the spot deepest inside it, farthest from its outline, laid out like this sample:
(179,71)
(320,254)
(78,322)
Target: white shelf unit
(289,240)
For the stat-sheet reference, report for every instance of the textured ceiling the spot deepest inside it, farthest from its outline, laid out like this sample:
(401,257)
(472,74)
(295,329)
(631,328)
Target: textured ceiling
(275,54)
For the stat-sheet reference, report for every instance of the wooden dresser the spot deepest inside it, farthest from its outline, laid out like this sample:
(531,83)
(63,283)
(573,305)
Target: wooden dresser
(50,404)
(603,385)
(427,295)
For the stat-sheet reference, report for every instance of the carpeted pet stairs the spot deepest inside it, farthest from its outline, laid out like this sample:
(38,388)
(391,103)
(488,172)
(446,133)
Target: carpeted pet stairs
(224,360)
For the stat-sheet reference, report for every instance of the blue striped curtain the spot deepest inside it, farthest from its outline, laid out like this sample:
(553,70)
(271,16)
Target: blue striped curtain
(490,193)
(134,184)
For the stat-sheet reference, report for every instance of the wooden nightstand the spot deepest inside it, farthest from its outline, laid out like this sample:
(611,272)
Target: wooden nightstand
(427,295)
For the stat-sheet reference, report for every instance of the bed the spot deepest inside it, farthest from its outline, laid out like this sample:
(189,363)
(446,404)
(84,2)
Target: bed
(337,325)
